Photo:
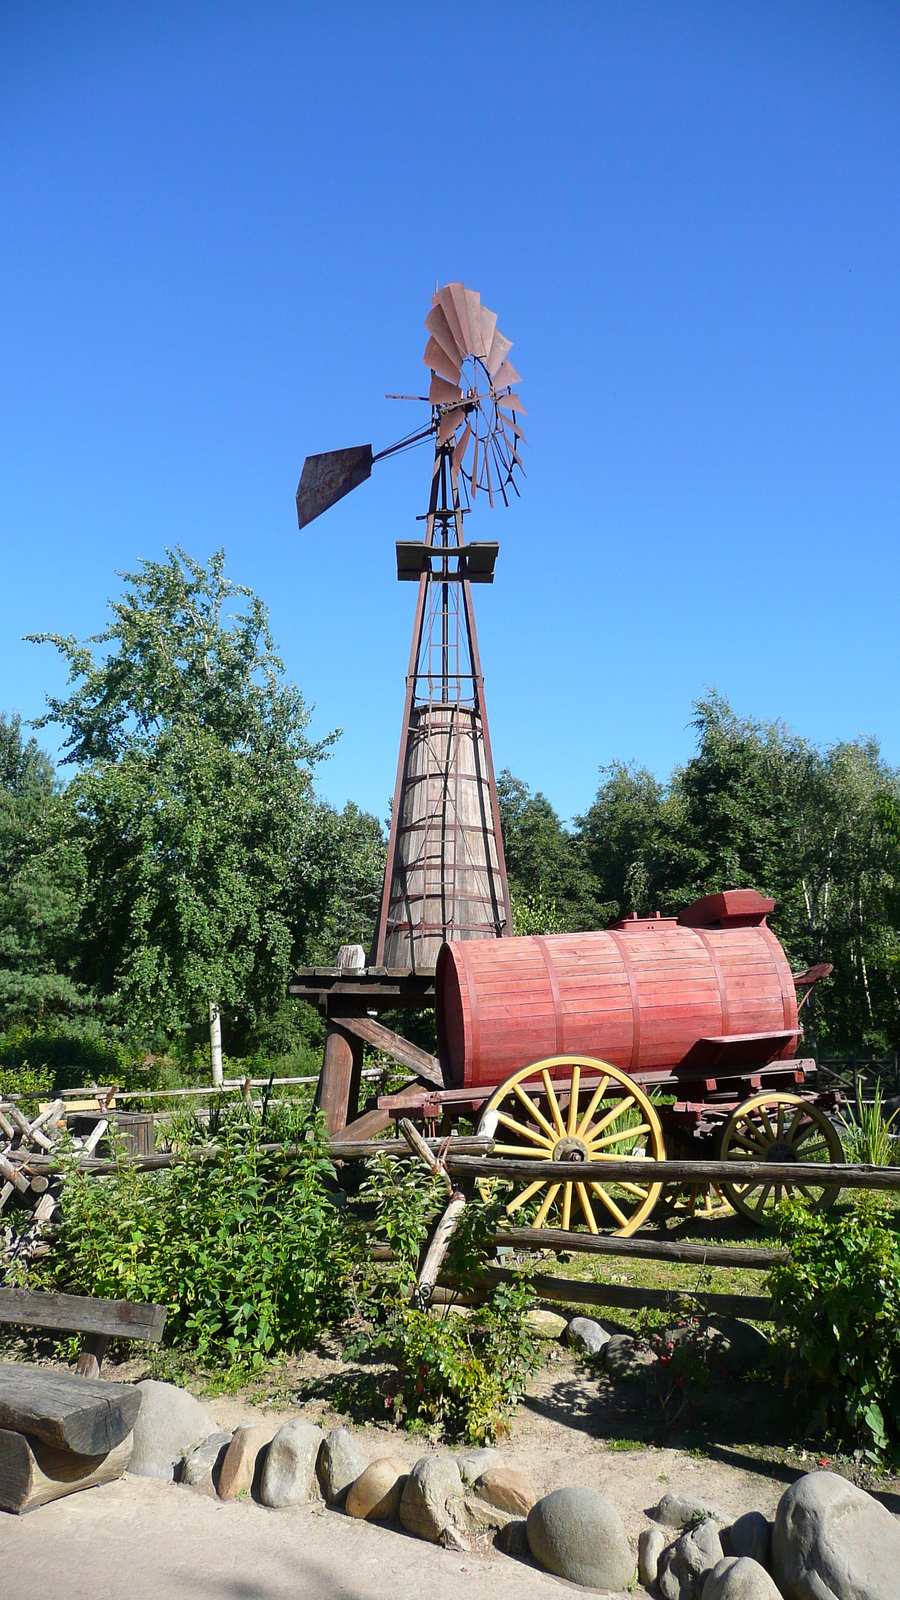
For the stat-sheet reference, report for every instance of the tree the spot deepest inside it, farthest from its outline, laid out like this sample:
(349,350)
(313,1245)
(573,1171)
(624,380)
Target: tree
(41,884)
(551,888)
(193,795)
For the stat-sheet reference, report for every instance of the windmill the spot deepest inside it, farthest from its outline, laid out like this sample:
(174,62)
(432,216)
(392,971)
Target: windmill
(445,876)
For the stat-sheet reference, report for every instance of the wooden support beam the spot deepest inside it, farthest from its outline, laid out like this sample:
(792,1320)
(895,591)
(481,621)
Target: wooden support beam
(341,1065)
(33,1473)
(392,1044)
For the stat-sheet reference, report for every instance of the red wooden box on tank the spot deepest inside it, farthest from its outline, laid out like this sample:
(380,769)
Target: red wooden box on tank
(643,995)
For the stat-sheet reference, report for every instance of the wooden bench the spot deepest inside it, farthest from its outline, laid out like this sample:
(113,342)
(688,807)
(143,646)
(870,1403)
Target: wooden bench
(98,1320)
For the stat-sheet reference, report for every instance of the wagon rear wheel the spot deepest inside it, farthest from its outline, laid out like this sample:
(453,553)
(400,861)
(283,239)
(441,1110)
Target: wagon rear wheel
(576,1109)
(780,1127)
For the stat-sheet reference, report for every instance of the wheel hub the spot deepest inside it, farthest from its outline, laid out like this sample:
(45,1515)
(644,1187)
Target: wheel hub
(781,1152)
(570,1149)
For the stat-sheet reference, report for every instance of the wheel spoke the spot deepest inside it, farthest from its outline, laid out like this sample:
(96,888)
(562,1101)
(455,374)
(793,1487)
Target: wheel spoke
(585,1204)
(567,1208)
(526,1194)
(617,1138)
(610,1205)
(535,1112)
(541,1217)
(764,1195)
(613,1116)
(780,1123)
(750,1144)
(596,1097)
(553,1103)
(523,1132)
(573,1099)
(634,1188)
(795,1123)
(767,1124)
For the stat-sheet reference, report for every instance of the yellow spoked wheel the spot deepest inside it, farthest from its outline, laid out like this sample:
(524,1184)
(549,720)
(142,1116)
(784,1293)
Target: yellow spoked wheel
(780,1127)
(591,1112)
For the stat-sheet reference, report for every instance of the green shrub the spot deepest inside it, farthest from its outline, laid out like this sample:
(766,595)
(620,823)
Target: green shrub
(70,1055)
(25,1080)
(866,1134)
(248,1251)
(838,1298)
(455,1369)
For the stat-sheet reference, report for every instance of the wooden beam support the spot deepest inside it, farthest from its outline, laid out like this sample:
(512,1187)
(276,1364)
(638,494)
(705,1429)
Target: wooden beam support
(392,1044)
(341,1064)
(33,1473)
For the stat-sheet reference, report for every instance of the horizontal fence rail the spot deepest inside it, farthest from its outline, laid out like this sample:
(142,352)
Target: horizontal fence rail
(829,1174)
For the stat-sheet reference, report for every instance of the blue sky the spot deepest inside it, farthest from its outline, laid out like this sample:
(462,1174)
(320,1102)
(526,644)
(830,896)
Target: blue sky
(221,228)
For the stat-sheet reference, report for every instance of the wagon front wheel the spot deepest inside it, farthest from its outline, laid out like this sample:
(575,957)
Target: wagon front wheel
(576,1109)
(780,1128)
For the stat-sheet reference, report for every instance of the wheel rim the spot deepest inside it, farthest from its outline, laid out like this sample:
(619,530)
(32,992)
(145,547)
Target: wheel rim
(700,1201)
(577,1109)
(780,1127)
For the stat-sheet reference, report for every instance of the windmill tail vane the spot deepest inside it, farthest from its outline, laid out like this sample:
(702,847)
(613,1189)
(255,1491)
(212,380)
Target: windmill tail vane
(445,876)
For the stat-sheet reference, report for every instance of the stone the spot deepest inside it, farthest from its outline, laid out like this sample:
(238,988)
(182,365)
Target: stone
(737,1345)
(739,1578)
(623,1359)
(169,1425)
(513,1539)
(682,1510)
(376,1493)
(340,1463)
(507,1489)
(426,1503)
(750,1536)
(683,1566)
(587,1336)
(238,1468)
(472,1515)
(472,1465)
(651,1544)
(451,1538)
(200,1468)
(289,1470)
(832,1541)
(578,1535)
(545,1324)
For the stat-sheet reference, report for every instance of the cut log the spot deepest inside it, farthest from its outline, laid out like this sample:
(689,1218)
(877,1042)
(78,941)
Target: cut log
(437,1250)
(70,1413)
(75,1313)
(33,1473)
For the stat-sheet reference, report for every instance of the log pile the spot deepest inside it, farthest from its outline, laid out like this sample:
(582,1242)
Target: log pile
(22,1143)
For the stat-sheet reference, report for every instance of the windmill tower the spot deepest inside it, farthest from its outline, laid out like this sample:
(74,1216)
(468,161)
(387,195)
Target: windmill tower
(445,876)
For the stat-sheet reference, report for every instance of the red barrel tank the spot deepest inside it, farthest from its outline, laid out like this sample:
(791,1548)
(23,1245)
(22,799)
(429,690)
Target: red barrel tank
(711,987)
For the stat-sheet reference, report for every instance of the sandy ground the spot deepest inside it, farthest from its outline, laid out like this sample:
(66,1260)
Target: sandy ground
(137,1538)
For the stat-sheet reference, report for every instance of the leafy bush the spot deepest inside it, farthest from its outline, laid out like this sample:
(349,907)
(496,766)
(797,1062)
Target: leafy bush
(456,1369)
(247,1251)
(838,1298)
(69,1054)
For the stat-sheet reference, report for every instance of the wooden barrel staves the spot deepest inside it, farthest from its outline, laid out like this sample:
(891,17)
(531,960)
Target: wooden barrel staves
(649,993)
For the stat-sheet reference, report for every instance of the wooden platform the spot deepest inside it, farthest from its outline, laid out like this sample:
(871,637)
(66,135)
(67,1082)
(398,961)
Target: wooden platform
(373,988)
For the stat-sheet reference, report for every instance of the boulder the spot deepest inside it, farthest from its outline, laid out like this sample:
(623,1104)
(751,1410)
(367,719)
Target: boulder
(426,1503)
(739,1578)
(507,1489)
(577,1534)
(832,1541)
(737,1345)
(751,1536)
(169,1425)
(545,1324)
(238,1468)
(587,1336)
(340,1463)
(376,1493)
(651,1544)
(451,1538)
(472,1465)
(200,1468)
(289,1470)
(683,1510)
(623,1358)
(683,1566)
(473,1515)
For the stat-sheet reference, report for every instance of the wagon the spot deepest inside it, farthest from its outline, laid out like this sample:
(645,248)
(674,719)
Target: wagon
(659,1037)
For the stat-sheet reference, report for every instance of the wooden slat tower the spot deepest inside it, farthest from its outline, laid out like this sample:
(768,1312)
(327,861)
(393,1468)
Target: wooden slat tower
(446,875)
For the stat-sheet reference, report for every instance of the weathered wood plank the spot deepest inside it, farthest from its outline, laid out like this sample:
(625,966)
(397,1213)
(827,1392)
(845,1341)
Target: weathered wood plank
(33,1473)
(572,1292)
(394,1045)
(614,1171)
(75,1313)
(605,1244)
(86,1416)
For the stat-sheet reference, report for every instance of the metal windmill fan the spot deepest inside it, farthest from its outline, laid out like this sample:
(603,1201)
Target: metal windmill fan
(475,411)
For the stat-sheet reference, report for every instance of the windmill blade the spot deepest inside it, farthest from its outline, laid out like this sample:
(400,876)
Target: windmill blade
(459,454)
(457,293)
(445,300)
(450,421)
(488,324)
(512,403)
(443,394)
(439,361)
(473,308)
(326,478)
(439,327)
(498,352)
(506,375)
